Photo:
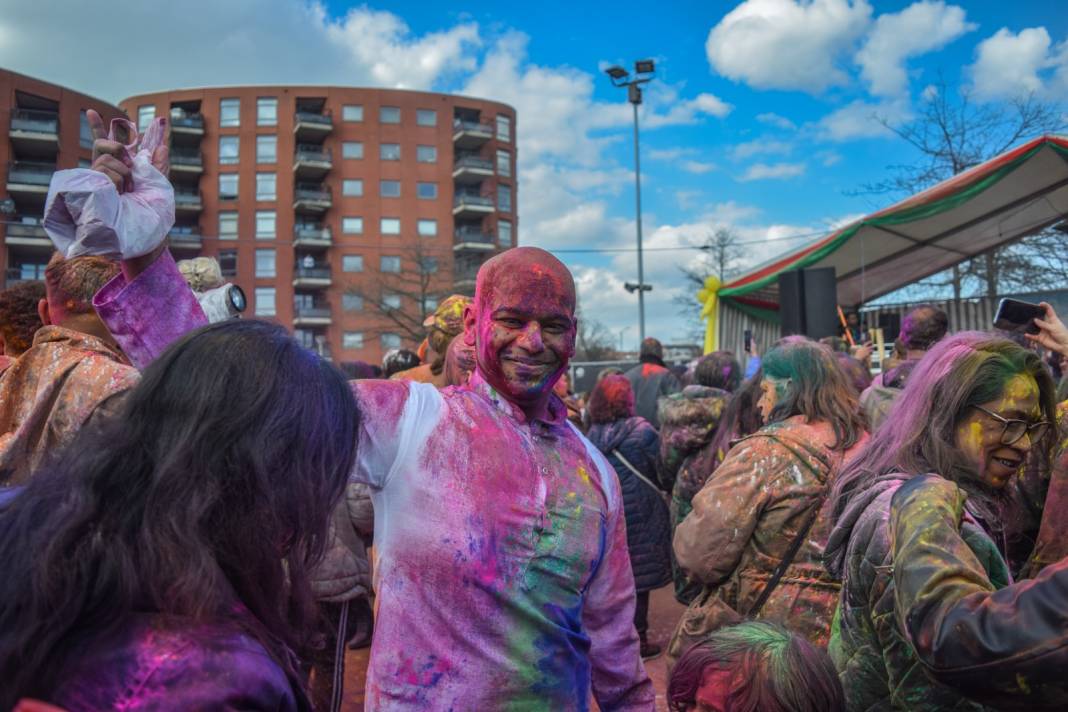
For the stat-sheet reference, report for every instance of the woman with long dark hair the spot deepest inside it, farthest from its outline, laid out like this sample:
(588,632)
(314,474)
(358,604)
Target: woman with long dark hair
(755,535)
(632,445)
(972,412)
(162,560)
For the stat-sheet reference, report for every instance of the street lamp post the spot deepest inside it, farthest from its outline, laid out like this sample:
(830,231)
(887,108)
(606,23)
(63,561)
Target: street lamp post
(643,72)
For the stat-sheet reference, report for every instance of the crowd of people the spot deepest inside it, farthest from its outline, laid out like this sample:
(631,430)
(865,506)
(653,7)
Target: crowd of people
(187,511)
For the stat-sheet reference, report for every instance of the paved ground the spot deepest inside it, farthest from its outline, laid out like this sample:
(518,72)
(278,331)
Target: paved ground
(664,613)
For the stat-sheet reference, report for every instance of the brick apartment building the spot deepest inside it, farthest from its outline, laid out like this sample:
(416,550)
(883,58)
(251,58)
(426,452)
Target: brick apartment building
(42,128)
(345,214)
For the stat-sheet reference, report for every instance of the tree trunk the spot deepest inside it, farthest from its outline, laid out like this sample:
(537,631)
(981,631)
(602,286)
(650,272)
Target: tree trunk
(990,260)
(956,282)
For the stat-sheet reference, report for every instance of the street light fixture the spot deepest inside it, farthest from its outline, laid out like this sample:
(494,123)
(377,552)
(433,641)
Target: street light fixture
(643,72)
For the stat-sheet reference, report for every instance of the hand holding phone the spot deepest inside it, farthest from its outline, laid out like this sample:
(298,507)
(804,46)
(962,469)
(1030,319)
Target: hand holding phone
(1052,333)
(1019,317)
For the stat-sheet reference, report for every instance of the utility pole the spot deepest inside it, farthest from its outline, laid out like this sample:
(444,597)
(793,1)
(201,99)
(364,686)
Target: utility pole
(643,72)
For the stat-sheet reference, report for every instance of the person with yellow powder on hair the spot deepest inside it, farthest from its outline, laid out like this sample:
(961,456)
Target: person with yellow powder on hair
(442,327)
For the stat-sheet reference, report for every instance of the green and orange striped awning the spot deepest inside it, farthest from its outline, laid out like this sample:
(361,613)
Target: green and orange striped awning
(1018,193)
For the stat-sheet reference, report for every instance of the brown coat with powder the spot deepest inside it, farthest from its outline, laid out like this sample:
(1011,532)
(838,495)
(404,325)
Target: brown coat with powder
(750,511)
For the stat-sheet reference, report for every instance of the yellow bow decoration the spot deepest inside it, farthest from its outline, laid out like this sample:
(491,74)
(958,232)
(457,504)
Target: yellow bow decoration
(707,298)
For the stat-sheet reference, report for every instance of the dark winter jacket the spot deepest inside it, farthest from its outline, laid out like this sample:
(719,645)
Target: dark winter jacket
(159,662)
(651,381)
(878,398)
(1006,646)
(688,422)
(748,514)
(648,525)
(870,648)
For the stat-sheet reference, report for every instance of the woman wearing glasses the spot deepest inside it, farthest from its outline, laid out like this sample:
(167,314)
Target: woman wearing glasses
(973,411)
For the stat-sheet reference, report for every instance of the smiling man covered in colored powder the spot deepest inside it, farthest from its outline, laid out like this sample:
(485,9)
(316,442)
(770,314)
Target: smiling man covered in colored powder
(503,577)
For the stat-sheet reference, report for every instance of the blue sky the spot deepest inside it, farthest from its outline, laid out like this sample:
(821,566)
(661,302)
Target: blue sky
(760,119)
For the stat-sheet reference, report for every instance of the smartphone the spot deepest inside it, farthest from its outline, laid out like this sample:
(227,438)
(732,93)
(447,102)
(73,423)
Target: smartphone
(748,340)
(1017,316)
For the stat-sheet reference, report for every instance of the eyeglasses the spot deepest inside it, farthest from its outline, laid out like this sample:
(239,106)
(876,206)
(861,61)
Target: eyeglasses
(1014,429)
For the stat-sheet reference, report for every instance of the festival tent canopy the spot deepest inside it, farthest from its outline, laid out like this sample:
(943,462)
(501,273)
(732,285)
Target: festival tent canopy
(1008,197)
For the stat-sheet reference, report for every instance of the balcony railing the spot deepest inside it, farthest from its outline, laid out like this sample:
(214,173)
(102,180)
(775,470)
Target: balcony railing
(318,272)
(27,231)
(468,199)
(186,157)
(306,191)
(311,117)
(311,152)
(30,173)
(311,233)
(315,312)
(465,273)
(188,199)
(187,121)
(35,121)
(184,236)
(468,234)
(14,275)
(472,127)
(473,162)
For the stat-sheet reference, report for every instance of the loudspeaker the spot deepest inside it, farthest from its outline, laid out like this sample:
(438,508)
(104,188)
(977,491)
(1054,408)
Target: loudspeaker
(808,303)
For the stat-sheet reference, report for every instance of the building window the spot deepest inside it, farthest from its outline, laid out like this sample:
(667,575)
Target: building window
(229,112)
(229,150)
(228,225)
(267,149)
(389,263)
(265,301)
(265,263)
(266,221)
(427,191)
(227,186)
(352,149)
(352,339)
(145,114)
(426,117)
(352,226)
(389,151)
(504,164)
(504,128)
(351,302)
(391,301)
(266,186)
(352,112)
(352,187)
(389,115)
(504,233)
(389,226)
(390,341)
(227,262)
(352,263)
(29,270)
(85,132)
(267,111)
(427,227)
(389,188)
(430,304)
(504,198)
(426,154)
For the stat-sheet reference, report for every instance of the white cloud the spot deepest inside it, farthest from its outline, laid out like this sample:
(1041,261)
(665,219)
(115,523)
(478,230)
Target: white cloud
(669,154)
(829,158)
(787,44)
(773,119)
(918,29)
(1009,65)
(774,171)
(697,167)
(860,119)
(760,147)
(689,111)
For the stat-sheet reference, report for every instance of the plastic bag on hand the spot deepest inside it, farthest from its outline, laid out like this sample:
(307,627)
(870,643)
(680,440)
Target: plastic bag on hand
(86,215)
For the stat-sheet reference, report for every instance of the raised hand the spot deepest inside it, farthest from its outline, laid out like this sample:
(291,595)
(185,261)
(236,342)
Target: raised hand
(1052,334)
